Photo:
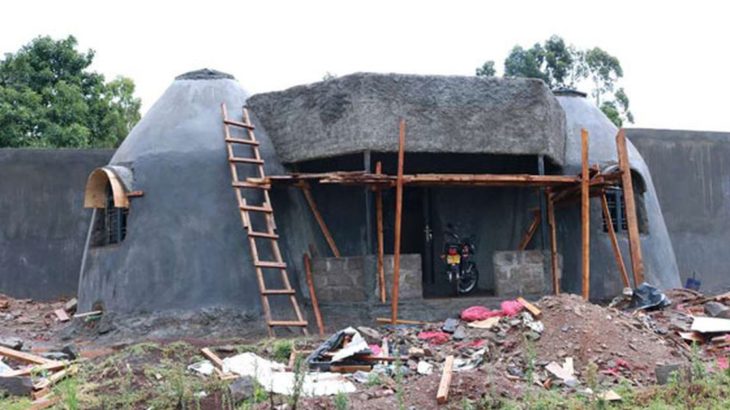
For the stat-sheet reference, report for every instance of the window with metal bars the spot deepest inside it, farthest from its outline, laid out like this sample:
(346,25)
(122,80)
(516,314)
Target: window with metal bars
(617,207)
(110,224)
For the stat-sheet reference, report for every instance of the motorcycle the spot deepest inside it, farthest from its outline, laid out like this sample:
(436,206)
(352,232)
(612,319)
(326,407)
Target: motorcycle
(460,268)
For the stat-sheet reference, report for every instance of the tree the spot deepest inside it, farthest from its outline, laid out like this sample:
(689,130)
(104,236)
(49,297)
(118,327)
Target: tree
(49,98)
(487,69)
(563,66)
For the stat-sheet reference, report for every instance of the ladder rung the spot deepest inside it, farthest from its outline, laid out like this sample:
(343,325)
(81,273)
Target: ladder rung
(270,264)
(302,323)
(279,292)
(239,124)
(253,208)
(242,141)
(246,160)
(244,184)
(263,235)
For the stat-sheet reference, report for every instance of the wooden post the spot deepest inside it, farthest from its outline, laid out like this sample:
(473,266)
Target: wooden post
(306,190)
(553,240)
(398,216)
(381,246)
(637,263)
(312,294)
(585,215)
(614,241)
(530,233)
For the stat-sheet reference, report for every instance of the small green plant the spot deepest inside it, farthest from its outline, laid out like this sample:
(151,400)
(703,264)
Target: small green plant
(341,402)
(399,393)
(299,374)
(530,358)
(466,404)
(282,350)
(592,376)
(374,380)
(68,391)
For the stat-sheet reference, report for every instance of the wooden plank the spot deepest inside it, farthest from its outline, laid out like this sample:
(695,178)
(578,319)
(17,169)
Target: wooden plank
(306,190)
(530,307)
(637,262)
(24,357)
(313,294)
(45,402)
(442,396)
(383,320)
(398,220)
(530,233)
(56,377)
(351,368)
(553,240)
(70,306)
(87,314)
(705,324)
(61,315)
(381,240)
(614,242)
(217,362)
(51,366)
(585,216)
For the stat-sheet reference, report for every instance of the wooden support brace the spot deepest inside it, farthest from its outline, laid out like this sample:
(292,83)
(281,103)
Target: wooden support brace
(553,241)
(637,262)
(307,191)
(530,233)
(381,241)
(585,215)
(398,219)
(312,294)
(614,241)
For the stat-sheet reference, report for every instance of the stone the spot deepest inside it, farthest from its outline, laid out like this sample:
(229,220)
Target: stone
(241,388)
(71,351)
(14,343)
(55,356)
(16,386)
(450,114)
(459,333)
(416,352)
(424,368)
(450,325)
(716,309)
(664,372)
(371,335)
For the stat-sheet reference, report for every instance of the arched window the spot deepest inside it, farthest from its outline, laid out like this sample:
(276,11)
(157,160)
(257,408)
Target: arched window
(617,206)
(107,195)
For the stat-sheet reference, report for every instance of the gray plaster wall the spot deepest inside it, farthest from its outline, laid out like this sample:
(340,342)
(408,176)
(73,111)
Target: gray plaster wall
(691,170)
(185,246)
(658,254)
(361,111)
(43,223)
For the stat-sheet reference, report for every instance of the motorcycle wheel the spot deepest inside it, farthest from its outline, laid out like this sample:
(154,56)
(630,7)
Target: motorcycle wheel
(468,279)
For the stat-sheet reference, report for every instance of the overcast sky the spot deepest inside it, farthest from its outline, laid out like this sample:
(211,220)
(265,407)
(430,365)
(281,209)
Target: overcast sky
(675,55)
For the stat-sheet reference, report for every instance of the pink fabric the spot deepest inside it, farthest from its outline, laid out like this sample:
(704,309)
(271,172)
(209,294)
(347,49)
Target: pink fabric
(475,313)
(375,349)
(511,307)
(435,338)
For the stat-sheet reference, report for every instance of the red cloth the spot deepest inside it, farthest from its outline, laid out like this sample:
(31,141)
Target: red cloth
(435,338)
(511,307)
(474,313)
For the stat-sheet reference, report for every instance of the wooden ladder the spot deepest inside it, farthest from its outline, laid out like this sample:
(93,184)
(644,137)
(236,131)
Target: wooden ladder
(265,209)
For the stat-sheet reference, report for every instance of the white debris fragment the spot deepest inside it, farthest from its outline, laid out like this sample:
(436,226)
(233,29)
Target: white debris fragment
(273,377)
(204,367)
(424,368)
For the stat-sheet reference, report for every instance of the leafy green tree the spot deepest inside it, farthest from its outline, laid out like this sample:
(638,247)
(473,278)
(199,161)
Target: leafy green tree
(487,69)
(560,65)
(49,98)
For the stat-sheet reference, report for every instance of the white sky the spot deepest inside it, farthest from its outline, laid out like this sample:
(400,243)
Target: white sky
(675,55)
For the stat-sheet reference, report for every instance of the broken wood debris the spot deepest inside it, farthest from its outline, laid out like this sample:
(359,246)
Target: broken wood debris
(442,396)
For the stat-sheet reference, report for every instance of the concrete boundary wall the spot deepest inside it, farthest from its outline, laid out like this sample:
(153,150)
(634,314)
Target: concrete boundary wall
(43,223)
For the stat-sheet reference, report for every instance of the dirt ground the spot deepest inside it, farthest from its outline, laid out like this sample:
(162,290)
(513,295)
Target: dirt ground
(507,363)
